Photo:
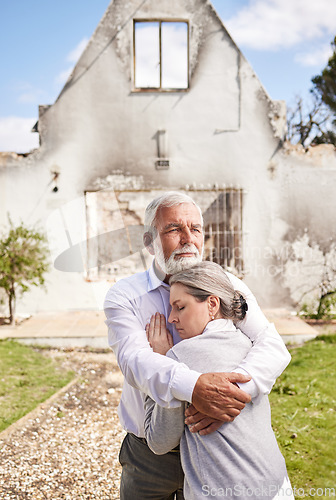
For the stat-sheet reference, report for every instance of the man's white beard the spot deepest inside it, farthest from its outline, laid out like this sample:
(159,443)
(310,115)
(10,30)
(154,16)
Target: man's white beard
(172,265)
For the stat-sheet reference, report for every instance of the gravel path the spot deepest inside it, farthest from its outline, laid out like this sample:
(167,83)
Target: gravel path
(68,448)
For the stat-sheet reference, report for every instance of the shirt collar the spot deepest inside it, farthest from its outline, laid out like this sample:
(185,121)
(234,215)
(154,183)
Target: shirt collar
(217,325)
(153,280)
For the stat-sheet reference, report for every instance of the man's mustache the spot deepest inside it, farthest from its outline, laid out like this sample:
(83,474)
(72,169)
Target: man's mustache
(186,249)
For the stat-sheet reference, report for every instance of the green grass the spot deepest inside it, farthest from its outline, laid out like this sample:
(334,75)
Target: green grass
(303,404)
(27,378)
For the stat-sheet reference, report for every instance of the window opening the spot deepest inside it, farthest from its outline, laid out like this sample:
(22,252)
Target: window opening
(161,55)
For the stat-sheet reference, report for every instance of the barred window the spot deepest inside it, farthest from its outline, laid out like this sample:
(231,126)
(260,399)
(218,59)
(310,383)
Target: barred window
(114,230)
(223,238)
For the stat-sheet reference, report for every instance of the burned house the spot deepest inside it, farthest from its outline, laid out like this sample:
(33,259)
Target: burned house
(163,99)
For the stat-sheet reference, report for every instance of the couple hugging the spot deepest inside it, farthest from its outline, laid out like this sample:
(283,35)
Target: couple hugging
(194,402)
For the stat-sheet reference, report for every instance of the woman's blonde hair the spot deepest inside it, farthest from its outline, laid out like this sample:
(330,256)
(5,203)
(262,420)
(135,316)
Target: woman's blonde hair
(206,279)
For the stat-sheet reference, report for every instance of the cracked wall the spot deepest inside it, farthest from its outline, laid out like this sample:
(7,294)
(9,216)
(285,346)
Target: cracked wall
(225,130)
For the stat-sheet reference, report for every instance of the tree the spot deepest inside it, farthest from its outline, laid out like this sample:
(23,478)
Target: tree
(325,84)
(23,262)
(308,123)
(313,122)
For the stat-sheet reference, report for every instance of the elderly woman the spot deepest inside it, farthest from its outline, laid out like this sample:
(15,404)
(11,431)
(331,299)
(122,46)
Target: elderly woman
(242,458)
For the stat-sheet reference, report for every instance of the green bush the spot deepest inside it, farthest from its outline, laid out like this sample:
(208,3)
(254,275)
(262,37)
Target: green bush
(24,260)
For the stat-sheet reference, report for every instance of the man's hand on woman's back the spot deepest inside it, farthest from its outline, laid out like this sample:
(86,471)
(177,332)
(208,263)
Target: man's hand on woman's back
(216,399)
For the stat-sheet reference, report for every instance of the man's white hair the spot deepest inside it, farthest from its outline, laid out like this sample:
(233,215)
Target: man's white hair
(168,199)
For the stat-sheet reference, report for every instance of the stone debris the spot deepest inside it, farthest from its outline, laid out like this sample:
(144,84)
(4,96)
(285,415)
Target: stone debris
(70,450)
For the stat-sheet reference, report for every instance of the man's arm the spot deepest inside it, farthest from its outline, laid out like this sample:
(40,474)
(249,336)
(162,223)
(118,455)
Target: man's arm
(164,426)
(264,363)
(165,380)
(269,356)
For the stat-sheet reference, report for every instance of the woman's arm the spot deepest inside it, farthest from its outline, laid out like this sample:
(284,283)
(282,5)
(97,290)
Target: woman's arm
(163,426)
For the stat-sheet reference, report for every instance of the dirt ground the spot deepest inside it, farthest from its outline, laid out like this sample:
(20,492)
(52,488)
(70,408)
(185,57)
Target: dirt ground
(68,448)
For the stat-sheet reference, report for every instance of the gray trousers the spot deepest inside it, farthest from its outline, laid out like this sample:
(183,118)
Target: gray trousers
(149,476)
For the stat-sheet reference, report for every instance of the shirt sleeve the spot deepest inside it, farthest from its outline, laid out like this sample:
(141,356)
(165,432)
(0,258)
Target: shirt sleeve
(163,426)
(269,356)
(165,380)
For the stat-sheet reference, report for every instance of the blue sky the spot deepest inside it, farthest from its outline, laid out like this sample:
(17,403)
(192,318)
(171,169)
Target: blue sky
(287,42)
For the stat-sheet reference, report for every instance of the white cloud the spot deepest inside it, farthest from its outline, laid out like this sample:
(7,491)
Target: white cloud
(63,76)
(75,54)
(32,96)
(174,55)
(16,135)
(315,58)
(28,94)
(147,55)
(28,98)
(72,57)
(278,24)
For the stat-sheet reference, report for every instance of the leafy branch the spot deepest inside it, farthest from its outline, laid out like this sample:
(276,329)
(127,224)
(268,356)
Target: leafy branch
(24,260)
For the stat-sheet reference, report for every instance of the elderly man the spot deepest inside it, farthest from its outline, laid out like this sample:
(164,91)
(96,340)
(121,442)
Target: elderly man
(174,236)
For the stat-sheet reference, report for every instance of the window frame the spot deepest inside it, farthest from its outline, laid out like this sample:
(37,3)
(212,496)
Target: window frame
(160,88)
(225,232)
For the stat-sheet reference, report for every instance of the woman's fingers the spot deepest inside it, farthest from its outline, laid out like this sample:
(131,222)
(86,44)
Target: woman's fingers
(150,328)
(153,328)
(163,326)
(157,329)
(158,335)
(149,338)
(164,330)
(159,324)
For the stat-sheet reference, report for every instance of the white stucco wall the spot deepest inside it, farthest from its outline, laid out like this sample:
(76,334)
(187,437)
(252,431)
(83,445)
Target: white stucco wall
(223,130)
(306,181)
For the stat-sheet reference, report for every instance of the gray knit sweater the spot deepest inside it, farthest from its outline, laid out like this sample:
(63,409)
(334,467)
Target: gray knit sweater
(239,460)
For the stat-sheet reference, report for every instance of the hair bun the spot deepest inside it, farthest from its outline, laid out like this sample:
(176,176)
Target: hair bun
(243,303)
(240,306)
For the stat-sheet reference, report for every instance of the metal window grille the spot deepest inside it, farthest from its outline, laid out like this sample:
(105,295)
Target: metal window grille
(223,242)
